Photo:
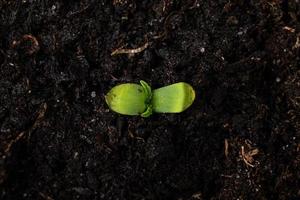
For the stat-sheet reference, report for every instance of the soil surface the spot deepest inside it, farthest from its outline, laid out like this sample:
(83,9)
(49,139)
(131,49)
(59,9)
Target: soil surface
(239,140)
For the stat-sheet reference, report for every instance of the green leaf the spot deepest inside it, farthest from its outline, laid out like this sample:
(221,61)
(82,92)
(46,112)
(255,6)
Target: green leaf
(148,112)
(174,98)
(147,90)
(127,99)
(130,99)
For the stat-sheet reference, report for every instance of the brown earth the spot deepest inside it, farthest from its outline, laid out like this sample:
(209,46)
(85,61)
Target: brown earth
(239,140)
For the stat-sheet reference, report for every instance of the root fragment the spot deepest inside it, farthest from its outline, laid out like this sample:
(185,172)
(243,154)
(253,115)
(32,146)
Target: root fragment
(130,51)
(226,145)
(247,156)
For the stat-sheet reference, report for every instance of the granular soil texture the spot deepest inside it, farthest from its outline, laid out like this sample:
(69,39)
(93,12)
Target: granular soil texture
(239,140)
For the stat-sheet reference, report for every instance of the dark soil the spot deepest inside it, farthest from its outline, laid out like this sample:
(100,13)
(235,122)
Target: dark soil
(239,140)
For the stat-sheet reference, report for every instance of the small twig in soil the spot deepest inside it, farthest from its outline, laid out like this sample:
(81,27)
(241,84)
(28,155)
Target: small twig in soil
(7,149)
(32,48)
(41,114)
(167,25)
(78,12)
(166,4)
(297,43)
(121,2)
(1,51)
(130,51)
(45,196)
(227,7)
(226,145)
(195,5)
(248,156)
(287,28)
(226,176)
(39,118)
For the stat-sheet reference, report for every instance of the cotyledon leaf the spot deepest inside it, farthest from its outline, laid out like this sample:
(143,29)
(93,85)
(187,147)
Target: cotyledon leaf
(130,99)
(173,98)
(127,99)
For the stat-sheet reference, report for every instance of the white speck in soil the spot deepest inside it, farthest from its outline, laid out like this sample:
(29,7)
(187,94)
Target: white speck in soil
(278,61)
(76,155)
(3,130)
(278,79)
(285,147)
(202,50)
(93,94)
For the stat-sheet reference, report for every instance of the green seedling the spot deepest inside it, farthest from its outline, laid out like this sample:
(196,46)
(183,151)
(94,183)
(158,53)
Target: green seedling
(173,98)
(135,99)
